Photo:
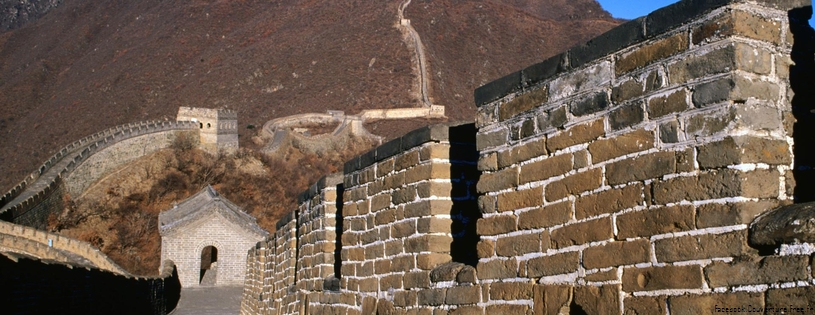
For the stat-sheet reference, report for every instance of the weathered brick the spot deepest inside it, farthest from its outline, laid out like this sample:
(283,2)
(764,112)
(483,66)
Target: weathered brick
(574,184)
(522,152)
(467,310)
(497,269)
(511,291)
(554,118)
(715,303)
(522,103)
(582,233)
(547,216)
(488,162)
(739,23)
(626,116)
(744,149)
(460,295)
(669,132)
(799,299)
(506,309)
(491,139)
(433,225)
(544,169)
(428,243)
(602,276)
(717,184)
(577,134)
(403,195)
(734,88)
(528,128)
(556,264)
(598,300)
(608,201)
(640,168)
(406,160)
(429,189)
(617,254)
(488,204)
(432,297)
(494,225)
(428,207)
(515,200)
(589,105)
(736,56)
(652,52)
(645,305)
(769,269)
(655,221)
(403,263)
(627,90)
(675,102)
(693,247)
(417,279)
(708,123)
(550,299)
(661,278)
(485,248)
(609,148)
(432,260)
(403,298)
(433,150)
(716,214)
(503,179)
(521,244)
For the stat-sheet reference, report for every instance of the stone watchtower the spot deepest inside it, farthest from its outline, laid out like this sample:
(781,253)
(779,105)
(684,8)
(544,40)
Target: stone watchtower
(218,128)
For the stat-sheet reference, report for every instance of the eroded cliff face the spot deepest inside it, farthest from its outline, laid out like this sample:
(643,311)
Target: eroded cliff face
(16,13)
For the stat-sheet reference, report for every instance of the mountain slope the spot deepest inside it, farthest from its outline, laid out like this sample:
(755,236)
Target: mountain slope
(88,65)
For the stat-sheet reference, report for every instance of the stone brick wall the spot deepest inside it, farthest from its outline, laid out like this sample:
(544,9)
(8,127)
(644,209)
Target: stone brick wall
(619,177)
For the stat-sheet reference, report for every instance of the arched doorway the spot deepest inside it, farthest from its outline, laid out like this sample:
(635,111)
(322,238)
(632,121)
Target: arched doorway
(209,262)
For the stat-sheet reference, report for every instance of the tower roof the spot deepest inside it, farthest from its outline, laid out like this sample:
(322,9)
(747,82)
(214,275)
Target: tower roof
(199,205)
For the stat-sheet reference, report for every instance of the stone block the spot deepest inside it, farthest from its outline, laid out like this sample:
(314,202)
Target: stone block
(432,297)
(645,305)
(511,291)
(627,90)
(495,181)
(430,189)
(417,279)
(540,170)
(433,150)
(403,195)
(577,134)
(769,269)
(515,200)
(573,184)
(738,23)
(405,298)
(491,139)
(522,152)
(446,272)
(427,208)
(467,310)
(519,245)
(403,229)
(798,299)
(626,116)
(488,162)
(716,214)
(430,261)
(506,309)
(734,88)
(433,225)
(609,201)
(494,225)
(556,264)
(428,243)
(744,149)
(602,276)
(652,52)
(524,102)
(553,118)
(589,105)
(662,278)
(582,233)
(406,160)
(551,299)
(716,185)
(544,217)
(632,142)
(654,221)
(598,300)
(582,80)
(669,132)
(672,103)
(715,303)
(462,295)
(615,254)
(693,247)
(736,56)
(528,128)
(497,269)
(403,263)
(640,168)
(485,248)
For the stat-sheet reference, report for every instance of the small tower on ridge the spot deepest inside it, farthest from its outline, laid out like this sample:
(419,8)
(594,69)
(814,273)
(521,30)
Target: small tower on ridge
(218,128)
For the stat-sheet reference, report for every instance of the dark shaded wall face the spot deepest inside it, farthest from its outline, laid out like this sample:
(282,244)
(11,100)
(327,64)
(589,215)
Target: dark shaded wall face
(802,82)
(464,177)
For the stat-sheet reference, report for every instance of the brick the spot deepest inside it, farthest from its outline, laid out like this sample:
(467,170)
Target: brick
(715,214)
(769,269)
(485,248)
(736,56)
(403,195)
(506,309)
(494,225)
(446,272)
(609,148)
(654,221)
(428,208)
(645,305)
(589,105)
(602,276)
(581,159)
(522,103)
(716,185)
(800,298)
(491,139)
(577,134)
(617,254)
(693,247)
(515,200)
(403,263)
(504,179)
(669,132)
(554,118)
(652,52)
(708,123)
(675,102)
(640,168)
(598,300)
(544,169)
(522,152)
(406,160)
(627,90)
(417,279)
(429,189)
(626,116)
(528,128)
(521,244)
(467,275)
(380,202)
(497,269)
(488,162)
(405,298)
(544,217)
(403,229)
(744,149)
(390,281)
(739,23)
(556,264)
(460,295)
(735,88)
(428,243)
(582,233)
(608,201)
(550,299)
(511,291)
(368,285)
(432,297)
(431,260)
(714,303)
(662,278)
(579,81)
(433,225)
(574,184)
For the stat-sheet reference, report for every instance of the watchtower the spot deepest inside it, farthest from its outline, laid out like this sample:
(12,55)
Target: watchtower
(218,128)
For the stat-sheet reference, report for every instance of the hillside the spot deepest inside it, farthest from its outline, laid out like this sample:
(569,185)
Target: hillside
(88,65)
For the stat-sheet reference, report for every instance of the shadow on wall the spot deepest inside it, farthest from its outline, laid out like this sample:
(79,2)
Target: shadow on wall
(464,176)
(803,103)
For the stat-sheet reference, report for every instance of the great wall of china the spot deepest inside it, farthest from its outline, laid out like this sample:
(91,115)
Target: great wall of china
(657,169)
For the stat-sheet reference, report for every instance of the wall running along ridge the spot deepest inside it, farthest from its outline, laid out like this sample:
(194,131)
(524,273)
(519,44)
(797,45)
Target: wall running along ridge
(620,177)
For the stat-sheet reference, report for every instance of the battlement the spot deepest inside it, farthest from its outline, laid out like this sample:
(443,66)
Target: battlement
(218,128)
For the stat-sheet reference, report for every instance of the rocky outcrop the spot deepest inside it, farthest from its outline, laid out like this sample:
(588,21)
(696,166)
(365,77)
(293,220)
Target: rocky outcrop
(15,13)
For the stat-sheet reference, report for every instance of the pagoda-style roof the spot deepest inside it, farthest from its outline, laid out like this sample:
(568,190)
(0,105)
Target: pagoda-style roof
(199,206)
